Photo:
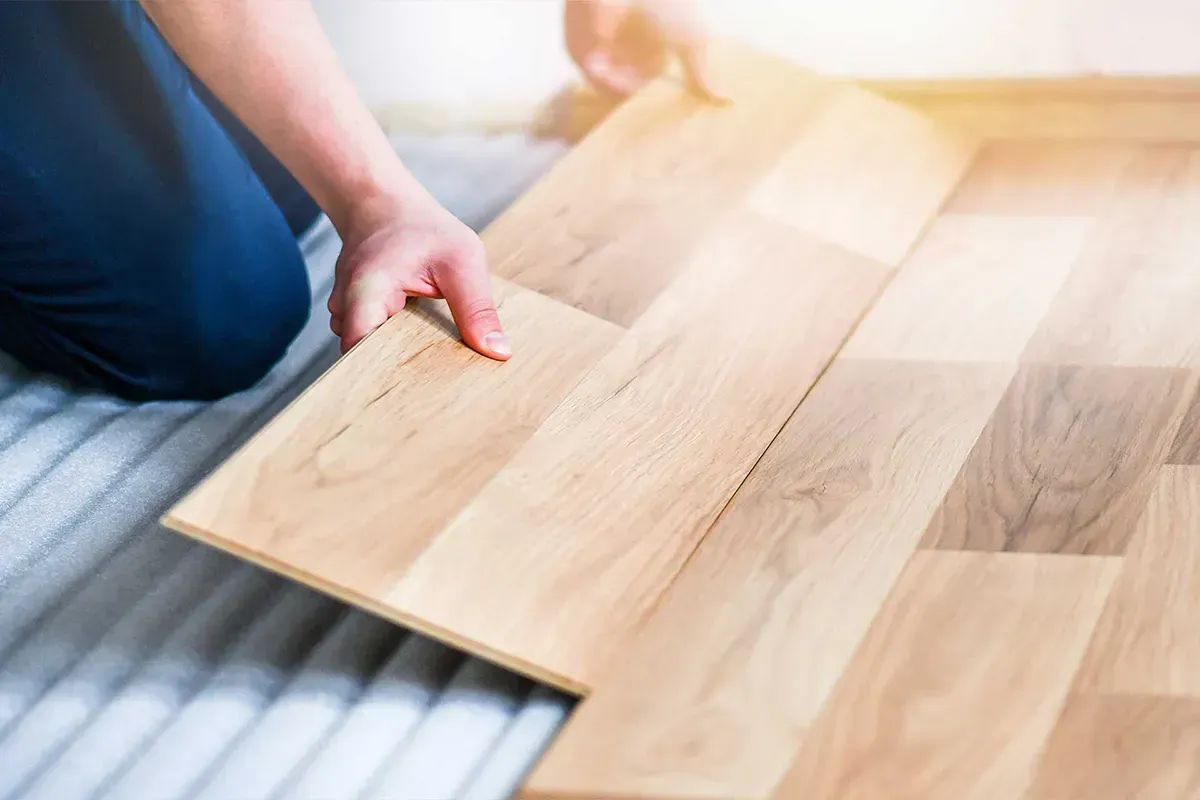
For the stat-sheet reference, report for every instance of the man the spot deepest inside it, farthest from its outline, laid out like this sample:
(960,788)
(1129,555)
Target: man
(158,160)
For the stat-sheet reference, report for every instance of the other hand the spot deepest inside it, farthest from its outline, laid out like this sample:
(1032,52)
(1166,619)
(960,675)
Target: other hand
(414,249)
(620,45)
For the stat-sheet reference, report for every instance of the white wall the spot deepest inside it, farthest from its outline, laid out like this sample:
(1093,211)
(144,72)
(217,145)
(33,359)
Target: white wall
(450,63)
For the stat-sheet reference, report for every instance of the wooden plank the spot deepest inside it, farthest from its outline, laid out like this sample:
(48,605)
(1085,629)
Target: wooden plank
(746,647)
(1044,179)
(1146,641)
(975,289)
(1116,747)
(1130,300)
(959,683)
(396,438)
(533,513)
(611,225)
(1066,463)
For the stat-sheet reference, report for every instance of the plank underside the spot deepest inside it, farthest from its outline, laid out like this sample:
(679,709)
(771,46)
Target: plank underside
(967,566)
(672,290)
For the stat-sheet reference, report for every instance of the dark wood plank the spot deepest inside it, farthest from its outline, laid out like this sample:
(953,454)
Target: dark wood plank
(1066,463)
(1186,449)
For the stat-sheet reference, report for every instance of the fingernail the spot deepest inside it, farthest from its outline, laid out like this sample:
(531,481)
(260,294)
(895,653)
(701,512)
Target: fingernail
(498,344)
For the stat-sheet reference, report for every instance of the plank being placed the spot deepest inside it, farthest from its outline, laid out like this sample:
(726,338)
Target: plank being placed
(672,289)
(853,625)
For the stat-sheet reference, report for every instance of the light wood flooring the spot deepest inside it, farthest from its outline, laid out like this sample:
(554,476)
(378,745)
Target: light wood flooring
(846,454)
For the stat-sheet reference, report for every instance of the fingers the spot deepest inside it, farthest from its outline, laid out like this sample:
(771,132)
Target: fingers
(696,75)
(610,77)
(468,292)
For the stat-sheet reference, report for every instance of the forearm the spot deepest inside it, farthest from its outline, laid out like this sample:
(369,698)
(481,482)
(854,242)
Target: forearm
(270,63)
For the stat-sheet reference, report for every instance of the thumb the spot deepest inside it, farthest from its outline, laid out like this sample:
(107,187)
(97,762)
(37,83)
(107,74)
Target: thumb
(696,76)
(468,292)
(362,315)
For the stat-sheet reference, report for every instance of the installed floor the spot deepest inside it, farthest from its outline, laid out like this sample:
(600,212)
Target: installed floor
(967,565)
(137,664)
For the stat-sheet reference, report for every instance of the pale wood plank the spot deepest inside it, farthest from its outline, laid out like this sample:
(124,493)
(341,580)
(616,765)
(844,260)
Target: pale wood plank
(975,289)
(1148,639)
(850,198)
(607,234)
(586,526)
(1066,463)
(1043,178)
(351,482)
(736,663)
(1131,298)
(1122,747)
(959,682)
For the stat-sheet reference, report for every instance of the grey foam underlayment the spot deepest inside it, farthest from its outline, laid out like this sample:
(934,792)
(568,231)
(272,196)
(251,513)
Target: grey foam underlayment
(137,664)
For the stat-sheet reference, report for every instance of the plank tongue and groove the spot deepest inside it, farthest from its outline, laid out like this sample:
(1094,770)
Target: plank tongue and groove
(672,290)
(852,625)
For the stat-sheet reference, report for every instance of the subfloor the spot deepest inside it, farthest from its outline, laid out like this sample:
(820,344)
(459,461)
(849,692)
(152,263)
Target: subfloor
(135,663)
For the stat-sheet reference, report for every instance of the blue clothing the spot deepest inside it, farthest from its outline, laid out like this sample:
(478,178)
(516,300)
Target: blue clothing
(147,239)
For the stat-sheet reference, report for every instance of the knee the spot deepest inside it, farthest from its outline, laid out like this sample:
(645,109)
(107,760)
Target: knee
(223,342)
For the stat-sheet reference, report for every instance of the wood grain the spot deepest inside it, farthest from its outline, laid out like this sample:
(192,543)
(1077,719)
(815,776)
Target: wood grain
(1186,449)
(974,290)
(1043,179)
(1066,463)
(607,234)
(1131,299)
(680,410)
(1122,747)
(354,479)
(959,682)
(534,512)
(747,645)
(1147,640)
(843,188)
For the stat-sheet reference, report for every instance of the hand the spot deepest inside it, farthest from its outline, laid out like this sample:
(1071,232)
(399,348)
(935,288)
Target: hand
(414,249)
(620,45)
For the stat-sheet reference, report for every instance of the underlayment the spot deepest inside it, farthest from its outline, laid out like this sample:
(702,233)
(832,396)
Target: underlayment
(135,663)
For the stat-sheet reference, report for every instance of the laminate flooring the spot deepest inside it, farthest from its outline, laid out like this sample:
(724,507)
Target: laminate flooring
(967,565)
(672,289)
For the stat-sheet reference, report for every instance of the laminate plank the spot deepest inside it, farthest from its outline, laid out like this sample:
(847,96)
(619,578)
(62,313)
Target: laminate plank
(348,485)
(1146,640)
(1119,747)
(1043,179)
(843,188)
(1131,299)
(959,682)
(1066,463)
(737,661)
(533,513)
(607,234)
(975,289)
(612,494)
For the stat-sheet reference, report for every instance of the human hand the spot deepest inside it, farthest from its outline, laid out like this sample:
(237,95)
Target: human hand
(620,45)
(414,249)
